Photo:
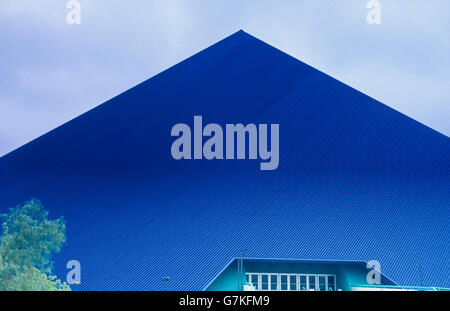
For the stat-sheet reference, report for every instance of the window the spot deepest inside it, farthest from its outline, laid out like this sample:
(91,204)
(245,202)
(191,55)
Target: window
(273,282)
(264,282)
(255,281)
(284,282)
(312,282)
(331,283)
(292,282)
(322,283)
(303,285)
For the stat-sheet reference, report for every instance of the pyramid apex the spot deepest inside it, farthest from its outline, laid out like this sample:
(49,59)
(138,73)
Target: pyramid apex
(242,32)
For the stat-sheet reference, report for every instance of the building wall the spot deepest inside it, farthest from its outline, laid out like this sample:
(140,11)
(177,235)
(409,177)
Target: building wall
(227,280)
(347,274)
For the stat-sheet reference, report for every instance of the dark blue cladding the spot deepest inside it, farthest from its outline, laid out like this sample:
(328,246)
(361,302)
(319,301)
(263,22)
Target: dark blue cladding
(356,179)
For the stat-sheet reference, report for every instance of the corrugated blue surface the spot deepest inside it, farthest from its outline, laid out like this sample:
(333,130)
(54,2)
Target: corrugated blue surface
(357,180)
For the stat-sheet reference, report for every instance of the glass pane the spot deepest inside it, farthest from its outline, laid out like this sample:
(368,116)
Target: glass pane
(264,282)
(273,282)
(331,286)
(303,282)
(284,282)
(292,282)
(255,281)
(312,282)
(247,278)
(322,285)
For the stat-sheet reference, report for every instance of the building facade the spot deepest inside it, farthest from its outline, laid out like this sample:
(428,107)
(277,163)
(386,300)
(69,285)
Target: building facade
(256,274)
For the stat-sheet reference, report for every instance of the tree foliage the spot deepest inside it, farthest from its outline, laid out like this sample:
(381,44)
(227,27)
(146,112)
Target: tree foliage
(27,243)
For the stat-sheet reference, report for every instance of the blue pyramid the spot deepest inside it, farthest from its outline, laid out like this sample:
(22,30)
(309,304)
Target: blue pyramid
(356,180)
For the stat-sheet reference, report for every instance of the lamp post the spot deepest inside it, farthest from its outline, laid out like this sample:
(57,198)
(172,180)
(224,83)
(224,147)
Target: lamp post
(420,274)
(165,280)
(241,269)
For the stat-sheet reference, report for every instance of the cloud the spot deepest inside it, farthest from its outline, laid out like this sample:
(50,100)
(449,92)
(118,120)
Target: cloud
(424,98)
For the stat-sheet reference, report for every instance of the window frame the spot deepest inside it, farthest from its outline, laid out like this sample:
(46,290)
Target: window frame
(298,276)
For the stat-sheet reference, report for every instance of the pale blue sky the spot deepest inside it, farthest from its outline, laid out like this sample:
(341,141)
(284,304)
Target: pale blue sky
(51,72)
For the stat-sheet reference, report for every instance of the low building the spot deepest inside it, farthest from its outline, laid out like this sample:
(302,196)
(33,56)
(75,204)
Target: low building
(257,274)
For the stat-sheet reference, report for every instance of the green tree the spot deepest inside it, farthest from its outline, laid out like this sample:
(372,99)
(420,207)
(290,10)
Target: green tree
(27,243)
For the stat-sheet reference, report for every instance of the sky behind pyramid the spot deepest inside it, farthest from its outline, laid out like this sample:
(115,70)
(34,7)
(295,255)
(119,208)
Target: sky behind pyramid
(52,72)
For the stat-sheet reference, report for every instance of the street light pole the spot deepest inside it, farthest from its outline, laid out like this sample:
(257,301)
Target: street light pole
(165,280)
(241,269)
